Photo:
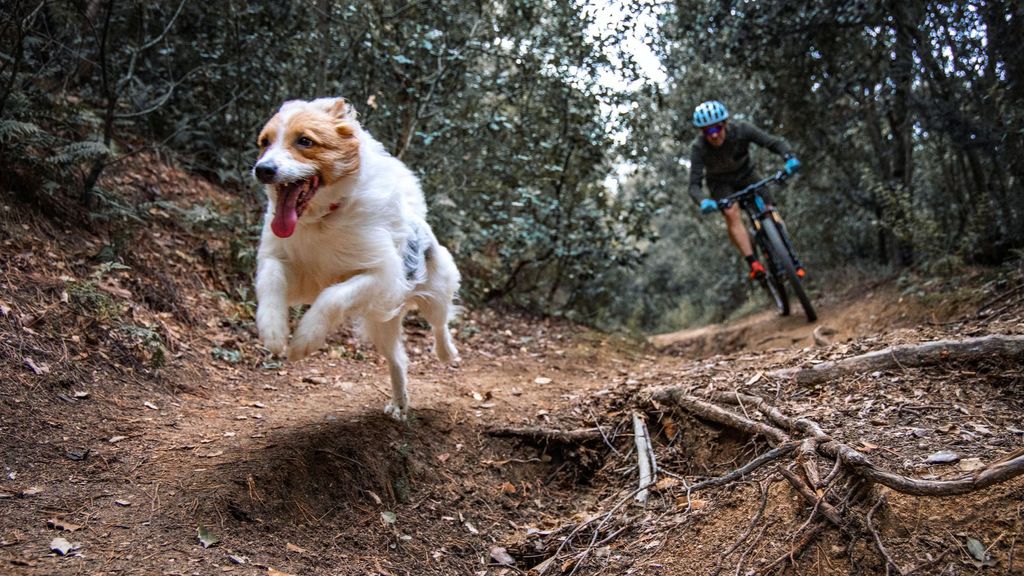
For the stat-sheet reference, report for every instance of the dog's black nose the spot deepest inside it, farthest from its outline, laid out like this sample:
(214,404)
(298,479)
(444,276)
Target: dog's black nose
(265,172)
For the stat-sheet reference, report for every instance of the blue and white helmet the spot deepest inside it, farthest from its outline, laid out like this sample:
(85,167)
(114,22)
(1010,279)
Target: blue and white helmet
(708,113)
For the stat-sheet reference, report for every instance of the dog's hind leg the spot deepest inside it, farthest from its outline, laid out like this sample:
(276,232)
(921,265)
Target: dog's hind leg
(437,313)
(387,338)
(434,300)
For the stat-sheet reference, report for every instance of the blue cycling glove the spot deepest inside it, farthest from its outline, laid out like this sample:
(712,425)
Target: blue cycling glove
(792,165)
(707,206)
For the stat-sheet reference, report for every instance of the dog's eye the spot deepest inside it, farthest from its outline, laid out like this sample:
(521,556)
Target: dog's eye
(303,142)
(264,142)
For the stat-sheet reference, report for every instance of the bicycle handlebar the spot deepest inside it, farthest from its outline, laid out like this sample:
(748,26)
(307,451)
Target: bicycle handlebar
(779,177)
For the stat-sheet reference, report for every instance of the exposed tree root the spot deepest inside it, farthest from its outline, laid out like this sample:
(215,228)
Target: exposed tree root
(818,502)
(746,533)
(878,539)
(738,474)
(1010,466)
(808,441)
(996,346)
(847,499)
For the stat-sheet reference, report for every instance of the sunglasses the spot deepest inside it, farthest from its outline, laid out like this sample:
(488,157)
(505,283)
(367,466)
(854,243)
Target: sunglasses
(712,130)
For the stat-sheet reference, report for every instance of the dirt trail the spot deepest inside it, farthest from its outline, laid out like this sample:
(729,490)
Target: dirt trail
(138,413)
(295,467)
(850,316)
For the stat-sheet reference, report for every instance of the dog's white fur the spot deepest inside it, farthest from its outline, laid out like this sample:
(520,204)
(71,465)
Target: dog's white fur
(353,254)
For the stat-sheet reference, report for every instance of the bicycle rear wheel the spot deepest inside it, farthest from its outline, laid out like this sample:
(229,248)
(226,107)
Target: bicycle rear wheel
(781,255)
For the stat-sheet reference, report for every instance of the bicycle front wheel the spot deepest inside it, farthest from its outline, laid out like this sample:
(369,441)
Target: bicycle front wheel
(780,254)
(771,283)
(777,292)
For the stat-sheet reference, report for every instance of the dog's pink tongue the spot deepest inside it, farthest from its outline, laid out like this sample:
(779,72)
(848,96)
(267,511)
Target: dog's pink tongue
(285,216)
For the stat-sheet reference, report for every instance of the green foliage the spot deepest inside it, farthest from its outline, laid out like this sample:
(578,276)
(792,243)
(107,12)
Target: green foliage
(243,303)
(148,341)
(15,131)
(226,355)
(907,117)
(89,299)
(76,153)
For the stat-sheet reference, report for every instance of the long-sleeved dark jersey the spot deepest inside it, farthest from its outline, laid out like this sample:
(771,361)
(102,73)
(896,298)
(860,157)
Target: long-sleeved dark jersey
(729,163)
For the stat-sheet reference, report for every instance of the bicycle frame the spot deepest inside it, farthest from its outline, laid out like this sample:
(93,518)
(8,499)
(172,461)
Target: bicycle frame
(757,209)
(772,240)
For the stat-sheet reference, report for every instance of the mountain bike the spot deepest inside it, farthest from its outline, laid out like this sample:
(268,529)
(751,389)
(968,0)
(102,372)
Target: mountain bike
(771,239)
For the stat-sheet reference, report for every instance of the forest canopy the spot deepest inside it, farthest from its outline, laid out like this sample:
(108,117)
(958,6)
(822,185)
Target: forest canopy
(907,117)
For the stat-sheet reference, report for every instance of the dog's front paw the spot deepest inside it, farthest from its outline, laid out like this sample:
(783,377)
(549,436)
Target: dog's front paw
(276,344)
(273,328)
(399,413)
(301,346)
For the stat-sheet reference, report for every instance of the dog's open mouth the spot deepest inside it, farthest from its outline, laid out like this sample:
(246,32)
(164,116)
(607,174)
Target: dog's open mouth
(292,200)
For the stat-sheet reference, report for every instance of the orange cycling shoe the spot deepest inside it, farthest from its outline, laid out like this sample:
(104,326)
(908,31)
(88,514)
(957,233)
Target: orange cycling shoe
(756,270)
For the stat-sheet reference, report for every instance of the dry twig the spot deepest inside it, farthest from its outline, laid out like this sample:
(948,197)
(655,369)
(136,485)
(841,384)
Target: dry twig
(545,435)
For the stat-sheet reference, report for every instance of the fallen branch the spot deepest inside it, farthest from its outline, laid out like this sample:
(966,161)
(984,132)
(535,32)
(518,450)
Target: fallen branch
(645,457)
(996,346)
(547,435)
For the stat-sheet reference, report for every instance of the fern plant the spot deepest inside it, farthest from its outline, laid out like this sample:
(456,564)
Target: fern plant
(12,131)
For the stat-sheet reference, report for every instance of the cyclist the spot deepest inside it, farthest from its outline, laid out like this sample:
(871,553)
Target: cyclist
(721,155)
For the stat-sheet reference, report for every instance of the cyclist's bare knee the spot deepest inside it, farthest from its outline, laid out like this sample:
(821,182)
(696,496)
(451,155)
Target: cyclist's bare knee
(732,213)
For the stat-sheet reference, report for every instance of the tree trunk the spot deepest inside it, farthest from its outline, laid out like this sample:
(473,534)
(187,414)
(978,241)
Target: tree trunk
(906,18)
(111,96)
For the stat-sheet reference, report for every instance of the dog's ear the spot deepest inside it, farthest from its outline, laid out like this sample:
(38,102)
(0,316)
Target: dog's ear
(346,114)
(342,110)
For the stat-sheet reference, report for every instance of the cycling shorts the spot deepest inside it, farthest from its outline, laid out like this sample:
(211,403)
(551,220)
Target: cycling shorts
(721,189)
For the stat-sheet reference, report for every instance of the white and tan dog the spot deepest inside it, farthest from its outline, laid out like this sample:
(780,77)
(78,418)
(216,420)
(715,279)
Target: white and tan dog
(345,232)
